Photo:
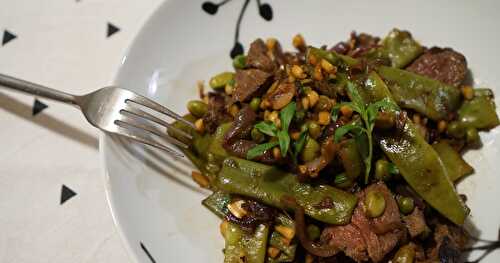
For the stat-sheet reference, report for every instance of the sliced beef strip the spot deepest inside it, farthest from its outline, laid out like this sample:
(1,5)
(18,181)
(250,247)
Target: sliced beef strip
(258,58)
(375,246)
(391,218)
(248,82)
(216,113)
(443,64)
(347,238)
(448,239)
(415,222)
(241,126)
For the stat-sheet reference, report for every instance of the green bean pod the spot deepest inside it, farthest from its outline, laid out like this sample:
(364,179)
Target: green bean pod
(401,48)
(251,246)
(453,161)
(478,113)
(426,96)
(269,185)
(419,163)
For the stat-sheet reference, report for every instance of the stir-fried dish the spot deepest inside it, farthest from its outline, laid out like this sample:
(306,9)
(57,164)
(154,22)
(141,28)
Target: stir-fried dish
(347,153)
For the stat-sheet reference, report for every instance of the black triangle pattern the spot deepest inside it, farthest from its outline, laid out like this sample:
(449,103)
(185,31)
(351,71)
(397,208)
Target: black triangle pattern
(7,37)
(112,29)
(38,107)
(66,194)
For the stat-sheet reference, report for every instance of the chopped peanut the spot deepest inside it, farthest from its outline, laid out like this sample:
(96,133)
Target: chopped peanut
(346,111)
(313,98)
(273,252)
(298,72)
(295,135)
(324,118)
(229,89)
(285,231)
(327,66)
(270,43)
(236,208)
(233,110)
(199,126)
(299,42)
(309,258)
(286,241)
(441,126)
(265,104)
(200,179)
(305,103)
(317,74)
(468,92)
(276,153)
(312,59)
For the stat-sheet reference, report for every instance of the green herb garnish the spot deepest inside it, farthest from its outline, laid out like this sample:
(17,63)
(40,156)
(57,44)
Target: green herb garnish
(362,133)
(286,116)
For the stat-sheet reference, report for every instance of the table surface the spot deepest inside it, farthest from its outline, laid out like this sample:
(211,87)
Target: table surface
(52,200)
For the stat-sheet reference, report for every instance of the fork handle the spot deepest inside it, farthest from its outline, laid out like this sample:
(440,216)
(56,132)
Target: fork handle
(36,89)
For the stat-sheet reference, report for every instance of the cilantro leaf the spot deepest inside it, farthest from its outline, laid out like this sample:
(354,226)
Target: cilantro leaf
(343,130)
(267,128)
(286,115)
(260,149)
(284,141)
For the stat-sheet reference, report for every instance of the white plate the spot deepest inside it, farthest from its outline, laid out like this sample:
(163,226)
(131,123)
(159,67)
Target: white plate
(149,196)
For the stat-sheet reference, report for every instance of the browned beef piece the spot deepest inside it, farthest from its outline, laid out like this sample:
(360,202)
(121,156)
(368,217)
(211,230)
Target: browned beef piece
(247,83)
(415,222)
(375,246)
(390,219)
(258,58)
(347,238)
(449,240)
(357,45)
(445,65)
(216,113)
(241,127)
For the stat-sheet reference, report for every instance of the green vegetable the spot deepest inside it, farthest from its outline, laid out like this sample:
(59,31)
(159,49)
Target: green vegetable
(217,203)
(269,185)
(257,136)
(311,150)
(406,205)
(255,103)
(452,160)
(260,149)
(424,95)
(298,146)
(368,115)
(332,57)
(267,128)
(313,231)
(342,181)
(405,254)
(250,246)
(419,164)
(483,93)
(286,116)
(478,113)
(351,159)
(276,240)
(221,80)
(374,203)
(314,129)
(456,129)
(197,108)
(382,170)
(240,62)
(215,148)
(472,136)
(401,48)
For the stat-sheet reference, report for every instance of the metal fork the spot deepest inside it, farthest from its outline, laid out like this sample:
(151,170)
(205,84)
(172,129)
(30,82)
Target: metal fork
(113,110)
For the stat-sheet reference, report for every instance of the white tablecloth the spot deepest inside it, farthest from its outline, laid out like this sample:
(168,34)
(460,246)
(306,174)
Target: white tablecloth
(62,44)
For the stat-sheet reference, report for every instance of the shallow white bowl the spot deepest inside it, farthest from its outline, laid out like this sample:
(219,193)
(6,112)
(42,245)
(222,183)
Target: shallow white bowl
(155,205)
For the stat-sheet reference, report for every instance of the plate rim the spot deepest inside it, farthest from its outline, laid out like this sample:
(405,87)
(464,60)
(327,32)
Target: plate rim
(104,137)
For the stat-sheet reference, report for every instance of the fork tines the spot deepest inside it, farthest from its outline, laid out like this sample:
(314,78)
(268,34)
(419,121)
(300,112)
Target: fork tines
(131,116)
